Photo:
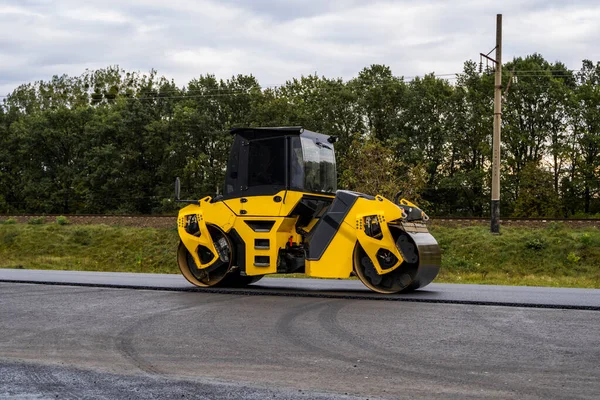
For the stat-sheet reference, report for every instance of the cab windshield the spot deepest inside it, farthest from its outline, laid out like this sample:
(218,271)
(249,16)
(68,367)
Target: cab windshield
(313,166)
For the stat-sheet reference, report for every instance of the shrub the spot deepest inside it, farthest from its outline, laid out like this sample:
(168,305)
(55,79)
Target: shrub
(535,244)
(8,238)
(62,220)
(586,240)
(36,220)
(82,237)
(573,258)
(10,221)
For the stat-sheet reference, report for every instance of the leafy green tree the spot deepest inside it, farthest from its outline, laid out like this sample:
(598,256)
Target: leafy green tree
(198,152)
(51,153)
(381,100)
(5,161)
(465,185)
(112,140)
(325,105)
(427,123)
(587,131)
(535,118)
(380,180)
(537,197)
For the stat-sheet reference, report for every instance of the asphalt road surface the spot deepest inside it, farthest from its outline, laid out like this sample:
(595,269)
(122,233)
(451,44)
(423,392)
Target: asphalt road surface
(585,299)
(96,342)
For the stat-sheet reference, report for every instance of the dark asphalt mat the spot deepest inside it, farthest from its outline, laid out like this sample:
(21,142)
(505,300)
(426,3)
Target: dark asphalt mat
(492,295)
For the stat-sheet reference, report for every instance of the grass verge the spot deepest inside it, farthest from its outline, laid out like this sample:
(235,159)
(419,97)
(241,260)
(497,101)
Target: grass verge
(88,248)
(556,255)
(552,256)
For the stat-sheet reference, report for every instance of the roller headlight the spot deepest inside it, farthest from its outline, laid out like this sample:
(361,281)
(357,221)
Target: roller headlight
(191,226)
(372,226)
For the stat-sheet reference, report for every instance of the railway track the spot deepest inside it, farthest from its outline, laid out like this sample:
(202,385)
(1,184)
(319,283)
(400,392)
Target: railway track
(168,221)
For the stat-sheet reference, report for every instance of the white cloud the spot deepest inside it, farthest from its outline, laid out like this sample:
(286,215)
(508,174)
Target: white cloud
(276,41)
(94,15)
(8,11)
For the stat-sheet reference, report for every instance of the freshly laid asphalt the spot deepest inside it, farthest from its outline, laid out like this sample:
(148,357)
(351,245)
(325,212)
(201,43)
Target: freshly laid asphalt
(67,342)
(519,296)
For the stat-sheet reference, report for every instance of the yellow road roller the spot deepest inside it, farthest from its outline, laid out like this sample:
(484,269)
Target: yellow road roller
(280,212)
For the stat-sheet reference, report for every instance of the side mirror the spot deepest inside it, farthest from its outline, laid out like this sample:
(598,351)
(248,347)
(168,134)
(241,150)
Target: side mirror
(178,194)
(177,188)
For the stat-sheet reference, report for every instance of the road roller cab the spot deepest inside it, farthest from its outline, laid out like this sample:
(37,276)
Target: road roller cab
(280,211)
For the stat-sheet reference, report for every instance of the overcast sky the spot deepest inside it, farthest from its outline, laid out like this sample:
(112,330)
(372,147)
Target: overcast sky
(278,40)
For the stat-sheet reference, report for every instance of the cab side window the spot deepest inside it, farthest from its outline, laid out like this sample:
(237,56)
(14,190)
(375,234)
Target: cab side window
(266,162)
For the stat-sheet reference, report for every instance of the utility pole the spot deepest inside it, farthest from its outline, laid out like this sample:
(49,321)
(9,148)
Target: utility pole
(495,206)
(495,225)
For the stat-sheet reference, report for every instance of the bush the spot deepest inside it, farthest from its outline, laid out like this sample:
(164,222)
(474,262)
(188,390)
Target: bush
(8,238)
(82,236)
(36,220)
(10,221)
(62,220)
(573,258)
(586,240)
(535,244)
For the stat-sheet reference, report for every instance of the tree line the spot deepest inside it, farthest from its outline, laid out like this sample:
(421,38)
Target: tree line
(112,141)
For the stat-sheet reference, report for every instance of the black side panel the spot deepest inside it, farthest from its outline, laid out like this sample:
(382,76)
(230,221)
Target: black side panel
(322,234)
(310,207)
(240,250)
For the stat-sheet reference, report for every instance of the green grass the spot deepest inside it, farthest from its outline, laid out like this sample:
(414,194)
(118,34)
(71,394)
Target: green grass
(551,256)
(88,248)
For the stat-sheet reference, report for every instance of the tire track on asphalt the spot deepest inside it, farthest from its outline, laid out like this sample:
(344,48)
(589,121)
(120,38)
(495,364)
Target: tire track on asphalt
(232,341)
(301,340)
(555,349)
(125,344)
(285,329)
(330,321)
(518,328)
(296,338)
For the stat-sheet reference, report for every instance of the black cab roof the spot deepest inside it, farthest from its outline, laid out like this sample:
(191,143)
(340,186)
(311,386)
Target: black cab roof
(266,132)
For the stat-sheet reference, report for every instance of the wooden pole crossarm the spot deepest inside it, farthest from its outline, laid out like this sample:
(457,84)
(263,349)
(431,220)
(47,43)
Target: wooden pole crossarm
(489,58)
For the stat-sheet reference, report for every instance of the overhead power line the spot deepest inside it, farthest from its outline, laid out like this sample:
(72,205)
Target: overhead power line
(220,92)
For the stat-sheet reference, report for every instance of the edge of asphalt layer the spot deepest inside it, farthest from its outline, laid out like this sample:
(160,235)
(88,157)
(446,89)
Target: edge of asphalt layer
(260,291)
